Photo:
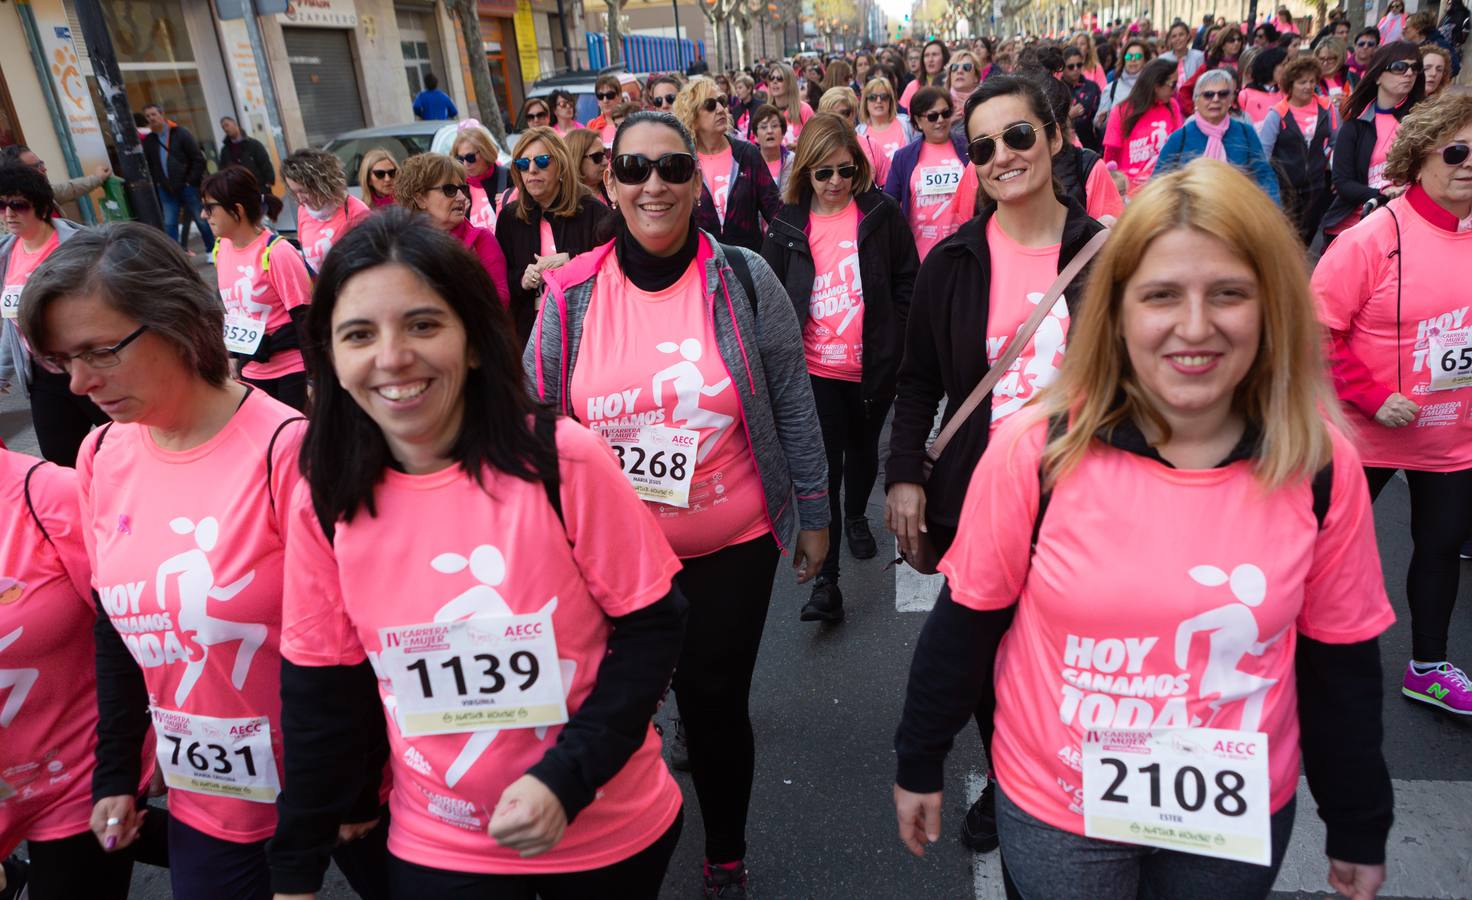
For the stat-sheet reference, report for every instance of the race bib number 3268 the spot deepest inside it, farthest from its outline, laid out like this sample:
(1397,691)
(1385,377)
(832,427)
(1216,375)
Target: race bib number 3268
(1194,790)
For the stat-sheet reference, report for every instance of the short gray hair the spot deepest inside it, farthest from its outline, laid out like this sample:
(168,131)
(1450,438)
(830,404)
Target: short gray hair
(141,273)
(1213,77)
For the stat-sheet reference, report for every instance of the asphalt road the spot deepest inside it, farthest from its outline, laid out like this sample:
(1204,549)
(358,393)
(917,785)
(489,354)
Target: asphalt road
(826,701)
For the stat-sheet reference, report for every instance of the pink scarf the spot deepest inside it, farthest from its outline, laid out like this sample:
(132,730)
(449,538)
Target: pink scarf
(1214,134)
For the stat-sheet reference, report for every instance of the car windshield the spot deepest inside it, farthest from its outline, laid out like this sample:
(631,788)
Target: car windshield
(351,151)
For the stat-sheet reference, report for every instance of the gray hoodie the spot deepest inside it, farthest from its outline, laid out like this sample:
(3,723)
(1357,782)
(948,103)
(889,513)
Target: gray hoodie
(15,367)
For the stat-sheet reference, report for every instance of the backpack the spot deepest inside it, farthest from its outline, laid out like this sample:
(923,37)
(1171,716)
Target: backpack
(737,261)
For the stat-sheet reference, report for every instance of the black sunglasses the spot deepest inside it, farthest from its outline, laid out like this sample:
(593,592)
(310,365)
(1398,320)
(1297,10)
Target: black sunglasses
(384,173)
(468,159)
(1402,66)
(846,172)
(635,168)
(936,115)
(19,206)
(711,103)
(597,157)
(1019,137)
(1455,154)
(1072,66)
(961,67)
(209,206)
(524,163)
(1367,43)
(1216,95)
(607,95)
(661,101)
(536,116)
(450,190)
(874,98)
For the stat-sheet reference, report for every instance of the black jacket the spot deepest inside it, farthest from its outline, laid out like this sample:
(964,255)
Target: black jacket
(520,240)
(187,166)
(1071,166)
(252,154)
(1302,165)
(887,267)
(1087,94)
(945,357)
(1353,147)
(752,193)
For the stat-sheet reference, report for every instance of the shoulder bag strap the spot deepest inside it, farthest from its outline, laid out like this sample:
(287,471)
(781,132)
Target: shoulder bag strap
(1014,350)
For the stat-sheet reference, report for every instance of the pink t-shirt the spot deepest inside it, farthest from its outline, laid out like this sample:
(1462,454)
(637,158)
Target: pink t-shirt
(191,578)
(908,93)
(607,133)
(1308,119)
(887,139)
(938,195)
(1355,283)
(1386,126)
(47,666)
(1102,194)
(775,167)
(715,171)
(487,249)
(475,551)
(548,244)
(251,288)
(317,237)
(1256,103)
(651,358)
(833,335)
(794,129)
(18,271)
(482,209)
(1124,627)
(1137,153)
(1020,277)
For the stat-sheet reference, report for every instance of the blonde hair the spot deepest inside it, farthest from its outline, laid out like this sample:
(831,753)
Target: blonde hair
(570,191)
(579,141)
(964,56)
(1430,124)
(875,83)
(320,175)
(424,172)
(365,171)
(1090,50)
(792,106)
(825,134)
(687,103)
(1285,392)
(835,97)
(478,138)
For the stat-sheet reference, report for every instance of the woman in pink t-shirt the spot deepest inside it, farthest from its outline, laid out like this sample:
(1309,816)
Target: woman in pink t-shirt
(738,196)
(435,185)
(475,149)
(1398,316)
(263,282)
(325,209)
(376,177)
(843,251)
(1138,126)
(527,566)
(882,130)
(786,96)
(652,340)
(929,177)
(564,111)
(1176,555)
(183,511)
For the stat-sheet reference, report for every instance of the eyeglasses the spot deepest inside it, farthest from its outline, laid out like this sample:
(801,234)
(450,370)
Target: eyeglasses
(962,67)
(667,99)
(1072,66)
(1019,137)
(1455,154)
(1368,42)
(536,116)
(712,102)
(19,206)
(1131,57)
(450,190)
(635,168)
(101,358)
(209,206)
(606,95)
(1402,66)
(384,173)
(524,163)
(597,157)
(468,159)
(826,173)
(937,115)
(877,98)
(1216,95)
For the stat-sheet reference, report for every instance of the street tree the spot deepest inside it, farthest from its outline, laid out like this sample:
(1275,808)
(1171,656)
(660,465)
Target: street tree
(614,29)
(480,71)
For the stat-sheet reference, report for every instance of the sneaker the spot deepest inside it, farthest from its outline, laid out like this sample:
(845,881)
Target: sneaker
(825,604)
(1445,686)
(16,871)
(679,748)
(726,881)
(860,539)
(1467,550)
(979,828)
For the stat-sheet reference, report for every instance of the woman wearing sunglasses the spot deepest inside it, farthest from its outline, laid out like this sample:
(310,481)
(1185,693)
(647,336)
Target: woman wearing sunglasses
(263,282)
(32,232)
(983,282)
(663,89)
(1212,132)
(564,111)
(767,129)
(1226,49)
(1335,80)
(882,130)
(585,146)
(435,185)
(325,209)
(552,219)
(609,92)
(1393,22)
(963,74)
(716,383)
(1139,126)
(1296,136)
(376,177)
(1405,394)
(1132,60)
(535,112)
(934,58)
(844,252)
(1390,88)
(929,178)
(475,149)
(1092,70)
(786,96)
(738,197)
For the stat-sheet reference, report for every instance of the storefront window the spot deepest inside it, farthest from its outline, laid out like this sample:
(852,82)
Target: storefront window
(158,64)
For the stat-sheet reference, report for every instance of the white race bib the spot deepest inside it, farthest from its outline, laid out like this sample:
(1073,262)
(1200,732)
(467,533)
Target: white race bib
(475,674)
(1194,790)
(10,300)
(940,180)
(658,461)
(1450,358)
(243,334)
(222,757)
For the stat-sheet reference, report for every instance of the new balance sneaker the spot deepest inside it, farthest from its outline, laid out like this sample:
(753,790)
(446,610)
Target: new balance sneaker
(726,881)
(979,828)
(679,748)
(860,539)
(825,604)
(1445,686)
(1467,550)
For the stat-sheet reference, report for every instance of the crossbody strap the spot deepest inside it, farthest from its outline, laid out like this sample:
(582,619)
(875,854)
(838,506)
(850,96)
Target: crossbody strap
(1014,350)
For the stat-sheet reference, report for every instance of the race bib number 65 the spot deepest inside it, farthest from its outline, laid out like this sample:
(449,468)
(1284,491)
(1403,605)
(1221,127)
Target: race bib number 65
(1451,359)
(1194,790)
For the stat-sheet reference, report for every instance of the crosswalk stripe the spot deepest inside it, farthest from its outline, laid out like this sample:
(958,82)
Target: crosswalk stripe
(986,868)
(914,592)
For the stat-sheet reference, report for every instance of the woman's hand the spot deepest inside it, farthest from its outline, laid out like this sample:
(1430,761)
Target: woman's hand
(904,516)
(528,818)
(1076,111)
(1397,411)
(552,261)
(531,279)
(812,549)
(116,821)
(919,818)
(348,833)
(1355,881)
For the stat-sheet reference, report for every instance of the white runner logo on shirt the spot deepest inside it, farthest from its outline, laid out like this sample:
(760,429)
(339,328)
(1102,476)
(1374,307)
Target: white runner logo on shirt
(320,248)
(1037,367)
(19,681)
(689,385)
(1234,635)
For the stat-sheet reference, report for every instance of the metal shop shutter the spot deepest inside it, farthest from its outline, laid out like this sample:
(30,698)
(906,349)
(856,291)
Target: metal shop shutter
(326,82)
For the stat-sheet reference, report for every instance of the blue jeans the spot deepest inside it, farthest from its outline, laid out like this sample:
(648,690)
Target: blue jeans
(187,200)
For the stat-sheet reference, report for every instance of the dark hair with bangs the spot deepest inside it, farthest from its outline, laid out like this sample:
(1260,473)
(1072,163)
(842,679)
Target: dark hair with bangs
(344,453)
(235,186)
(1369,88)
(19,179)
(1037,103)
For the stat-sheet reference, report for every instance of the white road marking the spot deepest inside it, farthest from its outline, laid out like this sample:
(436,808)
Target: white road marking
(986,868)
(914,592)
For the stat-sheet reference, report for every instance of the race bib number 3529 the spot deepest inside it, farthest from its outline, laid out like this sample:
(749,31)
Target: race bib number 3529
(1194,790)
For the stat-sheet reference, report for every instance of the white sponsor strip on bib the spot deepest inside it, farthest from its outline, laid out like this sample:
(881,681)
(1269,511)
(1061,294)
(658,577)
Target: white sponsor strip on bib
(1194,790)
(1450,358)
(223,757)
(658,461)
(243,334)
(940,179)
(10,300)
(475,674)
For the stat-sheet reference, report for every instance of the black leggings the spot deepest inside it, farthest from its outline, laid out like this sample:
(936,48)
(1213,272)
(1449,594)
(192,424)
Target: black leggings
(61,418)
(1441,519)
(729,592)
(77,866)
(289,389)
(851,430)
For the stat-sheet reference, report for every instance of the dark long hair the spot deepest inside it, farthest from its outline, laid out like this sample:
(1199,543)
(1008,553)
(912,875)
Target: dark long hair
(1038,104)
(344,454)
(1368,89)
(235,186)
(945,59)
(1142,96)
